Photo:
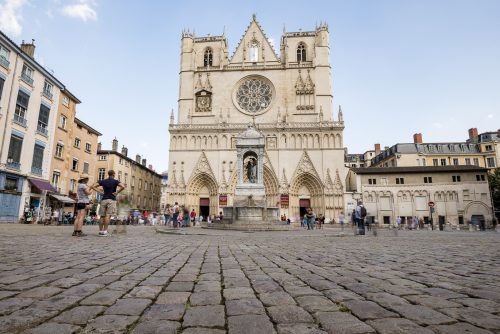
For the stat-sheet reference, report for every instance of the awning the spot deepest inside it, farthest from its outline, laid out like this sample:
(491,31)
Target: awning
(64,199)
(43,185)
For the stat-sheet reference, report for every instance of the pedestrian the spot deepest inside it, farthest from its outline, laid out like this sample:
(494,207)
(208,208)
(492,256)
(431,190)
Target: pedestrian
(145,216)
(311,218)
(321,221)
(192,215)
(82,191)
(359,215)
(168,215)
(175,214)
(186,217)
(303,223)
(398,222)
(341,220)
(414,223)
(111,188)
(55,216)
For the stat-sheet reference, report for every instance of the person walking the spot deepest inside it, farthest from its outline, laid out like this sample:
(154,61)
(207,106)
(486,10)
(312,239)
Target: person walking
(341,220)
(311,217)
(111,188)
(82,192)
(168,215)
(175,214)
(398,222)
(359,215)
(192,215)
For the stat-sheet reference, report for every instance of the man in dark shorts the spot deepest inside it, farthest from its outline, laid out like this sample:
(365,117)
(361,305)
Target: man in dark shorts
(108,202)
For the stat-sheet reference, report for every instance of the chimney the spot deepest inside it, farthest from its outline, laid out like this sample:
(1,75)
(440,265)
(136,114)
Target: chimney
(144,161)
(417,138)
(124,150)
(138,158)
(114,146)
(99,146)
(377,149)
(150,166)
(28,48)
(472,134)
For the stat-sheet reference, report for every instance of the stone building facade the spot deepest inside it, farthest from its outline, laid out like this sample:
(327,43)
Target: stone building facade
(459,193)
(289,99)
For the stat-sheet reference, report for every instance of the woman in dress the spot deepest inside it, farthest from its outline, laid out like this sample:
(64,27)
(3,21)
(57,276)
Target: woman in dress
(83,191)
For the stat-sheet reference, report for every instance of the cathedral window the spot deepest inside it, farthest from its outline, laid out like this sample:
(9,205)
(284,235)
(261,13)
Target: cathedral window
(301,52)
(254,52)
(208,57)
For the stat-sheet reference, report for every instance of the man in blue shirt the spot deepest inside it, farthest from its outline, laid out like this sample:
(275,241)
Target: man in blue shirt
(108,202)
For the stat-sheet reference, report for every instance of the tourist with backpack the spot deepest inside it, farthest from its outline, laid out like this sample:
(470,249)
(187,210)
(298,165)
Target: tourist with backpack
(360,214)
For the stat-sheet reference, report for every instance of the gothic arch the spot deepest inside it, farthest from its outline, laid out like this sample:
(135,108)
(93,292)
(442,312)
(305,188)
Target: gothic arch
(173,143)
(271,185)
(283,141)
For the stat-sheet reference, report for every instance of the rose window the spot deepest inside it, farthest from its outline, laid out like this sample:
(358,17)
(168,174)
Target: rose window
(254,95)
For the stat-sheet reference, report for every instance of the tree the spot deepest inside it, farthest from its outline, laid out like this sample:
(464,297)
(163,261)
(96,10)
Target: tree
(494,181)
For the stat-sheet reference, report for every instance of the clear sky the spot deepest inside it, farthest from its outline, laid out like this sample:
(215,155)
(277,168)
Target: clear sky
(399,67)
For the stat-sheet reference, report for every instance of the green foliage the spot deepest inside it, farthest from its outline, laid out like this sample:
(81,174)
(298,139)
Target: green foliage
(494,180)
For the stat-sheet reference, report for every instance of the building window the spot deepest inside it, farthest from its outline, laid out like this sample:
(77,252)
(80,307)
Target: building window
(140,184)
(145,186)
(4,57)
(133,181)
(467,161)
(455,178)
(254,52)
(59,150)
(400,180)
(488,148)
(85,167)
(301,52)
(120,176)
(443,162)
(208,57)
(55,179)
(15,147)
(21,108)
(372,181)
(27,75)
(47,90)
(490,162)
(427,179)
(120,161)
(65,101)
(103,157)
(43,120)
(74,164)
(101,174)
(36,164)
(2,81)
(476,161)
(62,122)
(77,142)
(480,177)
(72,184)
(455,161)
(10,183)
(435,162)
(88,147)
(125,179)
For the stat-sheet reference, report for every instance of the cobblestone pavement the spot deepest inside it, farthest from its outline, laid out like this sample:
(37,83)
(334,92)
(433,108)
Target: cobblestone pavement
(235,282)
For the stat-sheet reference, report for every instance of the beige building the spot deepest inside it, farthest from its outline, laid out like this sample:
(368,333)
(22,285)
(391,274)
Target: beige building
(29,96)
(143,184)
(288,97)
(489,145)
(75,150)
(460,193)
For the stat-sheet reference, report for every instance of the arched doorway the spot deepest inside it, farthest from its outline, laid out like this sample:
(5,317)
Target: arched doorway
(202,195)
(306,190)
(271,186)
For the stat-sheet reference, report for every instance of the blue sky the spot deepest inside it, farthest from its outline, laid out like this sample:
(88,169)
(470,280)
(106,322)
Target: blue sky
(399,67)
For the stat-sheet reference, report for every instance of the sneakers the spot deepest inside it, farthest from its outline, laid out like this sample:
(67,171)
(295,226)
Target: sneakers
(75,234)
(104,234)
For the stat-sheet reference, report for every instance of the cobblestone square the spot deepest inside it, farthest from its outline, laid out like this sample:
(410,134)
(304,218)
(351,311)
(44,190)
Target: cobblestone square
(207,281)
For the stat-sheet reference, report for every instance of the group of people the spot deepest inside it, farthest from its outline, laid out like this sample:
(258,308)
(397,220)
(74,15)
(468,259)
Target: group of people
(179,216)
(311,221)
(412,223)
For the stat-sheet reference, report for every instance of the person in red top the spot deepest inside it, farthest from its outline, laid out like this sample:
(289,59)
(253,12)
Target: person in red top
(193,217)
(145,216)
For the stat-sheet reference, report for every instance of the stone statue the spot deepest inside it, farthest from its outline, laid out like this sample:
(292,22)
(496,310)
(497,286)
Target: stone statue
(252,171)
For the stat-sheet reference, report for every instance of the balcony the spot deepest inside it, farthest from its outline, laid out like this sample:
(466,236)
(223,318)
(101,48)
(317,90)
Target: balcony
(47,94)
(20,120)
(13,165)
(27,79)
(4,62)
(42,130)
(36,170)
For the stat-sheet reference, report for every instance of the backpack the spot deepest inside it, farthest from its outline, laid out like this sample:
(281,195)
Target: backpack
(363,212)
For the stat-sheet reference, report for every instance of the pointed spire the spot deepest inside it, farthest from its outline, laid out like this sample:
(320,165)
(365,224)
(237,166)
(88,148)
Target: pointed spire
(207,85)
(320,113)
(309,85)
(328,178)
(341,115)
(299,85)
(198,85)
(182,182)
(173,178)
(284,182)
(254,17)
(172,117)
(338,183)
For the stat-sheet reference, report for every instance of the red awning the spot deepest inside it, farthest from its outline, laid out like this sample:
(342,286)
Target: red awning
(43,185)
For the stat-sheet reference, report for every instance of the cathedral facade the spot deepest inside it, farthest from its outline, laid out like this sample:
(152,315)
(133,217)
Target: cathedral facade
(289,99)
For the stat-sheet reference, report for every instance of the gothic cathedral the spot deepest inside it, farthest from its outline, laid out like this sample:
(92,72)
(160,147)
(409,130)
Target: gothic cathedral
(289,99)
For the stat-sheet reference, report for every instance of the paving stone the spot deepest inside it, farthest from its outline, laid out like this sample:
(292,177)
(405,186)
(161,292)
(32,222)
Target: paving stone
(209,286)
(439,292)
(201,330)
(149,292)
(386,300)
(52,328)
(316,303)
(79,315)
(112,324)
(180,286)
(129,306)
(397,326)
(82,290)
(474,316)
(206,316)
(13,304)
(103,297)
(423,315)
(250,324)
(165,312)
(57,303)
(40,292)
(276,299)
(65,282)
(156,327)
(288,314)
(366,310)
(481,304)
(173,298)
(299,329)
(244,306)
(459,328)
(340,295)
(431,301)
(238,293)
(205,298)
(124,285)
(342,323)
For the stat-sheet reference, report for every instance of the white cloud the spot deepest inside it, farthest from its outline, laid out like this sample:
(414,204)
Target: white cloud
(10,16)
(84,10)
(490,115)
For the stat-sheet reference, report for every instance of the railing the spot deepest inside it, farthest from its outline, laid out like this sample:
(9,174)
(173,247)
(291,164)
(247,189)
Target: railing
(42,130)
(4,62)
(20,120)
(36,170)
(47,94)
(27,79)
(14,165)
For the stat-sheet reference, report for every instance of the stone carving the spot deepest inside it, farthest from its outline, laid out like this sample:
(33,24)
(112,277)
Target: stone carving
(304,89)
(254,95)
